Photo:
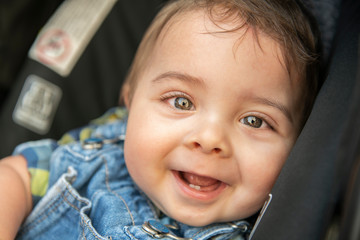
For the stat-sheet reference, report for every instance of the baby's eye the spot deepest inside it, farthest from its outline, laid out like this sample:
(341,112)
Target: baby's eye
(178,100)
(252,121)
(183,103)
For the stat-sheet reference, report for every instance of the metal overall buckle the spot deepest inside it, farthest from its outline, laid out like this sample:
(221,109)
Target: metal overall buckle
(158,230)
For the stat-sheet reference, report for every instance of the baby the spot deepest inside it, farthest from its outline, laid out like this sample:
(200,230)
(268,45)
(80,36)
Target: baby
(216,97)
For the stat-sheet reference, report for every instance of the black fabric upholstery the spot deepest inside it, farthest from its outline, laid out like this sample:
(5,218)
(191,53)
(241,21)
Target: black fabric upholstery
(312,181)
(20,21)
(94,84)
(349,208)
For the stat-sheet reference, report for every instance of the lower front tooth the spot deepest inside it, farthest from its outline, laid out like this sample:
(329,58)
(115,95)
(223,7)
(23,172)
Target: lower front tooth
(195,186)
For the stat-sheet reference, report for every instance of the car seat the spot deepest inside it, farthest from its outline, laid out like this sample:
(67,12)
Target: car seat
(89,90)
(314,196)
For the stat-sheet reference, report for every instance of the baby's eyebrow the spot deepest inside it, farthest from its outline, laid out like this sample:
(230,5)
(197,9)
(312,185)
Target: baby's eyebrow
(275,104)
(180,76)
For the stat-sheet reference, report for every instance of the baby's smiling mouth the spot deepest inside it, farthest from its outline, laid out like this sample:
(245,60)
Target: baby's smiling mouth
(199,187)
(200,183)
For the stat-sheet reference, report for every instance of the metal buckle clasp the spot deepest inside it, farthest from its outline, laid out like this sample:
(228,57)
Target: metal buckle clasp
(261,214)
(158,230)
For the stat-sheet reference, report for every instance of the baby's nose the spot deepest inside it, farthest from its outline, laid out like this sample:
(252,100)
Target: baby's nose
(210,138)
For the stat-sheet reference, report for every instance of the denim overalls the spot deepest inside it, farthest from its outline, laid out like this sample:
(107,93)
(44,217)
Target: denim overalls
(91,195)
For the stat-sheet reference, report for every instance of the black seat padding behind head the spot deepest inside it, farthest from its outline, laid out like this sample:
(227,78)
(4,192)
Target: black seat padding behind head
(94,84)
(313,178)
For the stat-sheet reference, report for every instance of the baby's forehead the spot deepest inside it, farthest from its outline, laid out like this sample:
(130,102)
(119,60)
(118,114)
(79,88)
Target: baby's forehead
(203,21)
(185,28)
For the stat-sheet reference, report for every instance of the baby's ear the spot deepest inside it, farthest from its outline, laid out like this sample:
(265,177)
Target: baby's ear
(125,95)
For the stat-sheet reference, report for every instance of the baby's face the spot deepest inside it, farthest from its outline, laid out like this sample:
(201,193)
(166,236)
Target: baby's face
(211,122)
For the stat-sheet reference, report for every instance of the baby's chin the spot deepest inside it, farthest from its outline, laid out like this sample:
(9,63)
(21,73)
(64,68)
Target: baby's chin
(196,222)
(202,219)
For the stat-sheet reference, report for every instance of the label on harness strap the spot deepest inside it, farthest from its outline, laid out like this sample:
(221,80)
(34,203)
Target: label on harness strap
(37,104)
(63,39)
